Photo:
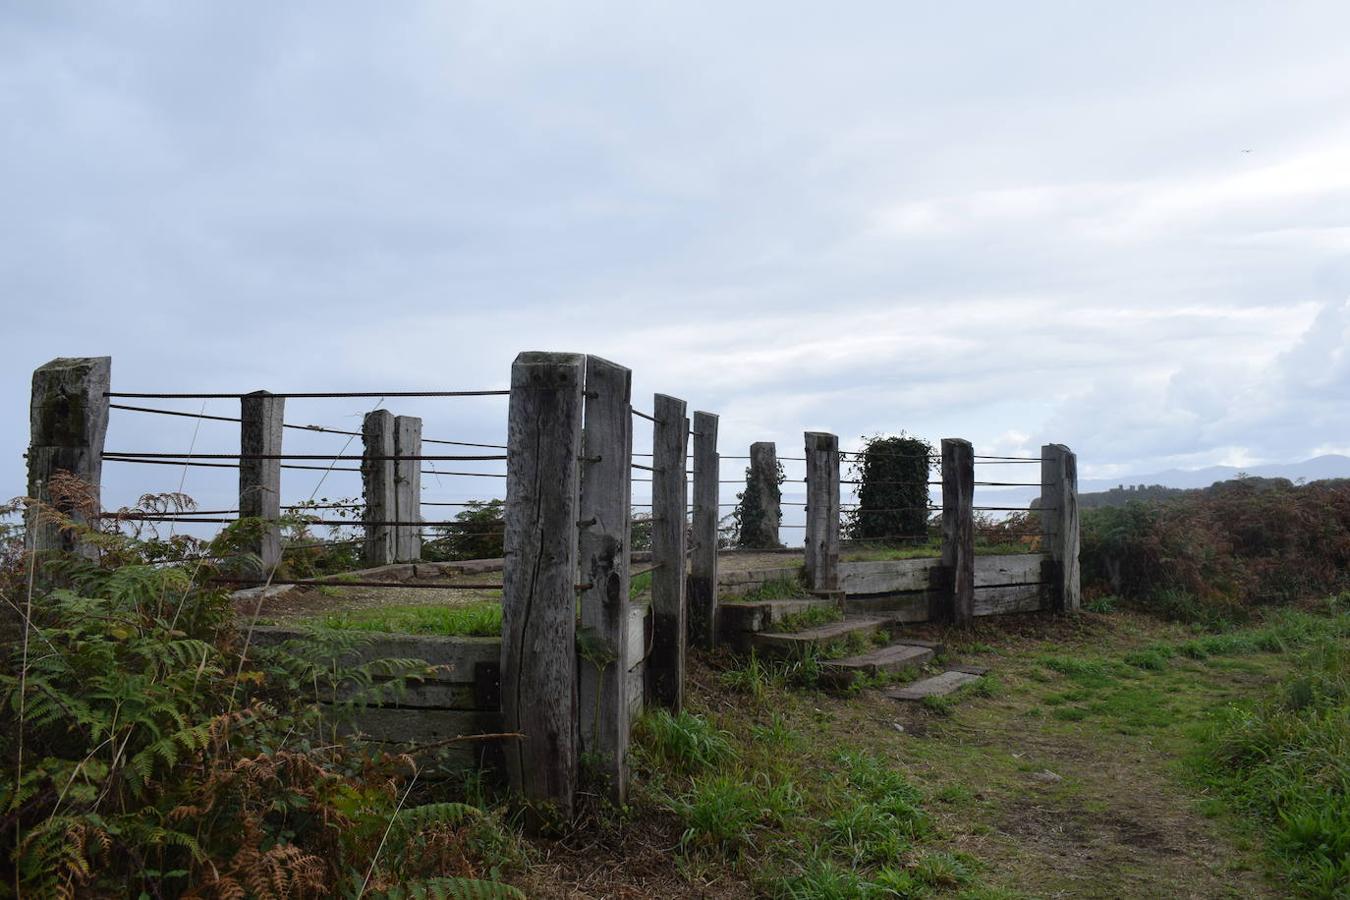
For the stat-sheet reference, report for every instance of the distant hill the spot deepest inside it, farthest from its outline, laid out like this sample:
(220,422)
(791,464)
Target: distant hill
(1315,469)
(1121,495)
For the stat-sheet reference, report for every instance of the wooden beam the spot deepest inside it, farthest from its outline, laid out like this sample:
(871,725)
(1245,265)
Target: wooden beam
(703,556)
(958,529)
(538,662)
(68,420)
(670,445)
(1059,526)
(822,511)
(603,547)
(377,485)
(260,431)
(408,488)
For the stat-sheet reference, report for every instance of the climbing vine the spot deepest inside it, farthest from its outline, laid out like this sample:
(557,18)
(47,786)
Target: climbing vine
(892,475)
(752,531)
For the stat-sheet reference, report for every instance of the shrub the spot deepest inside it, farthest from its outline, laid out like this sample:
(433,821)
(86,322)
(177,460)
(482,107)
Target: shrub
(477,533)
(892,477)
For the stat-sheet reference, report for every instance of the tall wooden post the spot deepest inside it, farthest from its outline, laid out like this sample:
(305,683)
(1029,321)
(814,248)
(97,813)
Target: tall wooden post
(1059,526)
(408,488)
(68,421)
(377,483)
(958,530)
(666,661)
(703,558)
(260,418)
(762,488)
(822,512)
(604,548)
(538,662)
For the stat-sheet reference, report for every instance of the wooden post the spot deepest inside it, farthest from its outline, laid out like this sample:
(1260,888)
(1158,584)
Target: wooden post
(539,663)
(702,586)
(408,488)
(958,530)
(822,512)
(604,549)
(377,483)
(670,444)
(1059,526)
(68,421)
(260,418)
(762,487)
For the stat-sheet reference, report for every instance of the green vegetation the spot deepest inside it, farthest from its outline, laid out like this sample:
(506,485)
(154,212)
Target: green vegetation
(479,619)
(477,533)
(773,589)
(810,617)
(892,476)
(750,529)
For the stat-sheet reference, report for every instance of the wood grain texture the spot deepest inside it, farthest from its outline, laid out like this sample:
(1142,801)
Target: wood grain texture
(670,445)
(762,473)
(1060,527)
(538,662)
(958,528)
(260,431)
(377,486)
(408,488)
(68,420)
(822,511)
(702,586)
(603,546)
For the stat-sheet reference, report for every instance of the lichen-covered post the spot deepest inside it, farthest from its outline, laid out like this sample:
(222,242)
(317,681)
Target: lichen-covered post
(539,660)
(604,549)
(1059,526)
(822,512)
(670,447)
(702,586)
(762,498)
(408,488)
(377,485)
(68,421)
(260,420)
(958,530)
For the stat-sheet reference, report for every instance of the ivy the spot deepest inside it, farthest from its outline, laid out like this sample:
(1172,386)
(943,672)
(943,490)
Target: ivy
(892,476)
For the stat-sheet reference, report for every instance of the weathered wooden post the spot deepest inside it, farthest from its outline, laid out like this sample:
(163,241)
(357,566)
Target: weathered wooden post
(604,546)
(408,488)
(377,484)
(68,422)
(670,445)
(958,530)
(260,420)
(1059,526)
(702,585)
(822,512)
(538,662)
(764,497)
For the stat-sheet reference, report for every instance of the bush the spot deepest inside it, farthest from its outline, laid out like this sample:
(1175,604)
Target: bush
(892,476)
(478,533)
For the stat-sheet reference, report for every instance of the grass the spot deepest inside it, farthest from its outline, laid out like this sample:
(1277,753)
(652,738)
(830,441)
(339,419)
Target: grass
(810,617)
(480,619)
(774,589)
(929,550)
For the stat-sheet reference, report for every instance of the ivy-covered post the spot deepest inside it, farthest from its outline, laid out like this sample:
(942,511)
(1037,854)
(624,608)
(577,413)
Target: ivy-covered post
(260,430)
(958,530)
(377,484)
(822,512)
(703,556)
(604,547)
(68,421)
(760,508)
(1059,525)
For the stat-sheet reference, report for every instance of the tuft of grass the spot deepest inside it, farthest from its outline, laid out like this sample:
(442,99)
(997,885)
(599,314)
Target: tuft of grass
(639,585)
(1104,604)
(774,589)
(945,870)
(810,617)
(480,619)
(682,743)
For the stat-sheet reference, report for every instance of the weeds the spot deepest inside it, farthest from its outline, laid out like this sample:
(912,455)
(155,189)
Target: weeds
(682,743)
(480,619)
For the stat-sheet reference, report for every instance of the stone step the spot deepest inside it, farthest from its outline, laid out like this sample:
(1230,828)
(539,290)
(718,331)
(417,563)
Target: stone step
(892,658)
(819,636)
(937,686)
(762,615)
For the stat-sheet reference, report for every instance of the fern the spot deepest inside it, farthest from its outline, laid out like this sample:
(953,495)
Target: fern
(451,889)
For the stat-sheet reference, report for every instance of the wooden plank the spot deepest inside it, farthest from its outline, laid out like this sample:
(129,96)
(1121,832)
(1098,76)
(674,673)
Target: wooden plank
(455,658)
(635,685)
(937,686)
(538,662)
(408,488)
(763,491)
(260,420)
(377,486)
(819,636)
(702,587)
(603,548)
(666,663)
(822,511)
(68,420)
(1059,525)
(423,726)
(958,528)
(429,694)
(994,601)
(907,608)
(1011,568)
(886,576)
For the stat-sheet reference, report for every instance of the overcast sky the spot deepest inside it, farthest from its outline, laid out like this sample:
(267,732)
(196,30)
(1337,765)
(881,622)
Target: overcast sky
(1120,226)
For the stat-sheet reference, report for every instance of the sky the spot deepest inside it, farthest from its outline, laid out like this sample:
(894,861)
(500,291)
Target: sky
(1121,227)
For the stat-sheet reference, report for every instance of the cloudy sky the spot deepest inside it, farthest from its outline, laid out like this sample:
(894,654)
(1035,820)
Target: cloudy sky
(1124,227)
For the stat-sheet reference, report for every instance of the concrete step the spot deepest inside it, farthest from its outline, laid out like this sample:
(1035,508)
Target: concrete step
(937,686)
(762,615)
(892,658)
(818,637)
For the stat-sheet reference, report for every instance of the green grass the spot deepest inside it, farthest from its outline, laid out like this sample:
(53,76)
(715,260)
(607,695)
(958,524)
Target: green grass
(480,619)
(639,585)
(774,589)
(808,618)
